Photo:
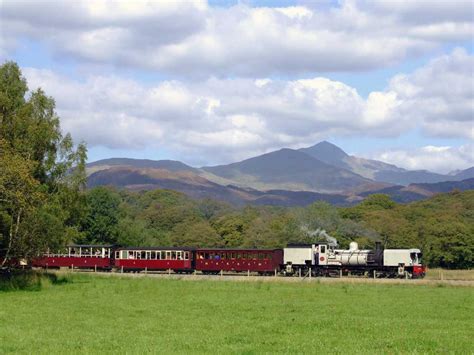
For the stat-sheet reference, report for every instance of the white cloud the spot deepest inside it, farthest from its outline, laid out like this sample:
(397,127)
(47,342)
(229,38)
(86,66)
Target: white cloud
(440,95)
(218,120)
(192,38)
(441,159)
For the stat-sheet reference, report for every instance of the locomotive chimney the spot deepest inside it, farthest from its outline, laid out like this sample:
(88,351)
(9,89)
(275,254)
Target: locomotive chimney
(378,253)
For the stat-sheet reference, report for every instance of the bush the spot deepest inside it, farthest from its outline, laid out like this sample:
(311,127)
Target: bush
(29,280)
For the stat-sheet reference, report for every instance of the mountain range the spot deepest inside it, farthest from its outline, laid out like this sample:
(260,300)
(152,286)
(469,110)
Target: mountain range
(285,177)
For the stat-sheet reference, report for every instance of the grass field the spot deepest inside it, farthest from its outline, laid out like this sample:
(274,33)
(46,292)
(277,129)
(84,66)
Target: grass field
(443,274)
(95,314)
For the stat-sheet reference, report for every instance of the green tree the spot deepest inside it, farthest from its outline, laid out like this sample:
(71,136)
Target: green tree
(39,167)
(100,224)
(195,234)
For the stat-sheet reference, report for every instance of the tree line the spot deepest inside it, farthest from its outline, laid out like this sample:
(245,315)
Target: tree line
(44,203)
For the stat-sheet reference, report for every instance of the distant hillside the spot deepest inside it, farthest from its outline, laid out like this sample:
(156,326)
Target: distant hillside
(197,187)
(465,174)
(417,192)
(288,169)
(285,177)
(377,170)
(171,165)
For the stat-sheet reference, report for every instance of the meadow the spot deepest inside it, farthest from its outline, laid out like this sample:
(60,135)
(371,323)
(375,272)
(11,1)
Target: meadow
(100,314)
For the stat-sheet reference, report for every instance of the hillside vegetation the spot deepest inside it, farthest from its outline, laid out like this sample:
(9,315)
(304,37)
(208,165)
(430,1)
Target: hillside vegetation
(443,226)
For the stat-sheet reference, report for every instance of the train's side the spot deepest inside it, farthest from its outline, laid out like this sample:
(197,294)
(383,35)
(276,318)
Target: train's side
(156,258)
(263,261)
(323,260)
(77,256)
(314,259)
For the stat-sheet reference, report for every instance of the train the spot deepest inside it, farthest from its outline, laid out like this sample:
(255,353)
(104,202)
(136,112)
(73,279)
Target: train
(320,259)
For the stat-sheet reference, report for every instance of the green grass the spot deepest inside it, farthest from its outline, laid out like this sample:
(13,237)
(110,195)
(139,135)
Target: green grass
(135,315)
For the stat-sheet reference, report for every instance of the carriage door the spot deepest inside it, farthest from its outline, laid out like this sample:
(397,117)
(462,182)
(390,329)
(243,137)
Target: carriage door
(323,254)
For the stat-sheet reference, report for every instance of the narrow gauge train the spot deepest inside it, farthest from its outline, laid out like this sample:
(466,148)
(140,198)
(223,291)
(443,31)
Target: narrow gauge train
(314,260)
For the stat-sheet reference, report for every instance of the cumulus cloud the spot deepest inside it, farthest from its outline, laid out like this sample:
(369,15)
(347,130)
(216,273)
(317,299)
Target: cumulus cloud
(440,95)
(219,120)
(442,159)
(192,38)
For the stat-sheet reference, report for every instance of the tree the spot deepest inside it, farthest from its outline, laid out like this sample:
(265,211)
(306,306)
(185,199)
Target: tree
(102,216)
(195,234)
(19,196)
(39,167)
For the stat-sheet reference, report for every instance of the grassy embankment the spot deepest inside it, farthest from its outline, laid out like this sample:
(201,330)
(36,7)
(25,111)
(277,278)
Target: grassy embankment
(89,313)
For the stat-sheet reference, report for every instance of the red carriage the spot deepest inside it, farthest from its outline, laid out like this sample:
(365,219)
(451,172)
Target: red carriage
(166,258)
(263,261)
(77,256)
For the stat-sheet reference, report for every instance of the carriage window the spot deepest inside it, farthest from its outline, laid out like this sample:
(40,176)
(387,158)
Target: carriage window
(153,255)
(322,248)
(244,255)
(186,255)
(179,255)
(232,255)
(269,256)
(261,256)
(223,256)
(144,254)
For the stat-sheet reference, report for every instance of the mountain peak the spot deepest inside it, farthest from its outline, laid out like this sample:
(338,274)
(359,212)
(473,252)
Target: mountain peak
(328,153)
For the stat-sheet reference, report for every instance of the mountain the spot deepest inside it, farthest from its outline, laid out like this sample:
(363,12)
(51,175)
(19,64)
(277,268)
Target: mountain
(372,169)
(416,192)
(170,165)
(288,169)
(285,177)
(195,186)
(465,174)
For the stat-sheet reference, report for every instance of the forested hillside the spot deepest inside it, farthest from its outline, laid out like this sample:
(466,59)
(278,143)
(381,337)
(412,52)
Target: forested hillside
(443,226)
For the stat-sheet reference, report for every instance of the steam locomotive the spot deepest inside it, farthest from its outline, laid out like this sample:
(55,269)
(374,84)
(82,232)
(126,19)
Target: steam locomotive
(304,260)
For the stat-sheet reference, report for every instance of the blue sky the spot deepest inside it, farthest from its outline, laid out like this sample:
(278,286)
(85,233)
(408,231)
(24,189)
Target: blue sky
(211,83)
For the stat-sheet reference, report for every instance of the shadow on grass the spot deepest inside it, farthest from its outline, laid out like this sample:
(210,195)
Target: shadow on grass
(28,280)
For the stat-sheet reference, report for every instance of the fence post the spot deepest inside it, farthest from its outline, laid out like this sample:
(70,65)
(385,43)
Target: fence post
(121,269)
(95,268)
(248,273)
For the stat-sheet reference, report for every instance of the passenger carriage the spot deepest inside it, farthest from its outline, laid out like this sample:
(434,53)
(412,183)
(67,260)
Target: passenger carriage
(159,258)
(263,261)
(77,256)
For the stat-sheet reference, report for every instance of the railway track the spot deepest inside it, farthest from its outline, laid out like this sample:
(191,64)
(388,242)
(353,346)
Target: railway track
(256,278)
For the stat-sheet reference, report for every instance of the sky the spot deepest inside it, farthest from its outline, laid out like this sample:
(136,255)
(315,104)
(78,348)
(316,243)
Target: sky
(216,82)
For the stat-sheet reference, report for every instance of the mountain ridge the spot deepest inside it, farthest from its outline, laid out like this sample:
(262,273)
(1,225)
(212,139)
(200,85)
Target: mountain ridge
(283,177)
